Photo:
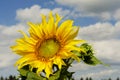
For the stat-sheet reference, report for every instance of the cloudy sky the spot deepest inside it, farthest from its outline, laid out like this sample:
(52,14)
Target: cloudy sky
(99,22)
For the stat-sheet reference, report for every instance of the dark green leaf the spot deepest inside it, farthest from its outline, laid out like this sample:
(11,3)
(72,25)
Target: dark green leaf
(88,50)
(91,60)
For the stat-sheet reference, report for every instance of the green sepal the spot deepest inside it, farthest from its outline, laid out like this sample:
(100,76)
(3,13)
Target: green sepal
(88,50)
(87,55)
(85,49)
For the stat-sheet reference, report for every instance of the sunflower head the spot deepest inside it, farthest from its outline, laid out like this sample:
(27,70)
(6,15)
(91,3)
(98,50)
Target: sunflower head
(47,44)
(48,48)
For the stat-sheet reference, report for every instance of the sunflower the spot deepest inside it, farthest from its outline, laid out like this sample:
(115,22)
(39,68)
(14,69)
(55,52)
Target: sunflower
(47,44)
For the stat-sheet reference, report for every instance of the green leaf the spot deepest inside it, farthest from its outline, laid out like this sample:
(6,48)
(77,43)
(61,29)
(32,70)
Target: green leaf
(88,50)
(34,76)
(30,75)
(55,76)
(91,60)
(23,72)
(88,56)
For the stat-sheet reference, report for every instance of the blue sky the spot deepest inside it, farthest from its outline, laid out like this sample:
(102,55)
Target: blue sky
(100,26)
(8,11)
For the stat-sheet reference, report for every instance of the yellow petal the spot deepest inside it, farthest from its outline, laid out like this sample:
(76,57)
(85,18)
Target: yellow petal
(71,47)
(21,62)
(48,69)
(74,56)
(51,25)
(58,61)
(40,65)
(72,34)
(61,31)
(44,22)
(35,31)
(58,18)
(74,42)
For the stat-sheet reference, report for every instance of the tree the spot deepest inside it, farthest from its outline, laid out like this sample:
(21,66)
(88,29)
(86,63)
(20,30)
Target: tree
(6,79)
(90,78)
(87,78)
(109,79)
(81,78)
(1,78)
(118,78)
(10,77)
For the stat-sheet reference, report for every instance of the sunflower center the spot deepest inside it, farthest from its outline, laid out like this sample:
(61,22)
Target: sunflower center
(48,48)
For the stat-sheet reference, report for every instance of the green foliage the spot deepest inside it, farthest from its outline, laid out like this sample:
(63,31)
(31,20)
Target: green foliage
(88,55)
(31,75)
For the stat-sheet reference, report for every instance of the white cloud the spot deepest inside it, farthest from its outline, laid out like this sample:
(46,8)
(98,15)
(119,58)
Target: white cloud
(79,66)
(7,58)
(105,39)
(104,9)
(100,31)
(12,30)
(8,34)
(33,13)
(96,72)
(103,36)
(108,49)
(5,61)
(105,16)
(99,74)
(117,14)
(7,38)
(97,6)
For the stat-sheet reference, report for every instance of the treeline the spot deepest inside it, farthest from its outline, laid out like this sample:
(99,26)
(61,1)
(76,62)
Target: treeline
(11,77)
(14,78)
(99,79)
